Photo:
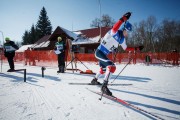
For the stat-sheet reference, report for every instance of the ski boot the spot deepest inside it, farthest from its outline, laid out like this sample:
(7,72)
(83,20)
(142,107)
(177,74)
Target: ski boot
(59,71)
(10,70)
(62,69)
(95,82)
(105,90)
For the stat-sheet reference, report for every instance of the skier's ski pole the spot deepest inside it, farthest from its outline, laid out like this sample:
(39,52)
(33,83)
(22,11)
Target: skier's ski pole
(102,86)
(101,95)
(122,70)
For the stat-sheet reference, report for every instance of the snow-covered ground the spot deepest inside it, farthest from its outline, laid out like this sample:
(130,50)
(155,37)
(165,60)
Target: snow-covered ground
(155,89)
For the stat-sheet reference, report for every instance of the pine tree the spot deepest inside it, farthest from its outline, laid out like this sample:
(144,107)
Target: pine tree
(43,25)
(33,35)
(26,38)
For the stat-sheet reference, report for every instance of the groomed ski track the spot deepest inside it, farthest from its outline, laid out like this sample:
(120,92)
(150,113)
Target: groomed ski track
(155,89)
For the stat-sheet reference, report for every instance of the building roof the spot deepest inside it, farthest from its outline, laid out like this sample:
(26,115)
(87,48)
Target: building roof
(60,31)
(88,36)
(41,43)
(23,48)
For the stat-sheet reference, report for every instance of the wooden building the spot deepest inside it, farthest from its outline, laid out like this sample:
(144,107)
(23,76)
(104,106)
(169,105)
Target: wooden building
(85,41)
(89,39)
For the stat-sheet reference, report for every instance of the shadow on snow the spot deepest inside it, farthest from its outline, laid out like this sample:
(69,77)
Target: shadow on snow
(149,96)
(128,78)
(153,97)
(31,79)
(45,76)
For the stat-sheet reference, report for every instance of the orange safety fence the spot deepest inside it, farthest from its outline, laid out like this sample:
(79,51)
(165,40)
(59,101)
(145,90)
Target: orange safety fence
(49,58)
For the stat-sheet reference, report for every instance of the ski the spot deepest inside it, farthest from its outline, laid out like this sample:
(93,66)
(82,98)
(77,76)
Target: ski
(125,103)
(99,84)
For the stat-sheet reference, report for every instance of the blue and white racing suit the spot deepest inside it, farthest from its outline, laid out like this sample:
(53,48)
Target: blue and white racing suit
(109,43)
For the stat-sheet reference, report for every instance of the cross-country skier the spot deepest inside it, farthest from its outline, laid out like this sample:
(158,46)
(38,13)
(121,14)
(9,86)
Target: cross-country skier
(110,43)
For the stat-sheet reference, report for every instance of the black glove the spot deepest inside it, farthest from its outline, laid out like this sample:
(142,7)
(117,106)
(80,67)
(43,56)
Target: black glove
(127,15)
(115,50)
(139,48)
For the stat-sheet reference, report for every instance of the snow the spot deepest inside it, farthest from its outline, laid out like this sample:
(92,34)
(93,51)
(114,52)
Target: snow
(85,40)
(43,44)
(23,48)
(71,34)
(82,39)
(154,88)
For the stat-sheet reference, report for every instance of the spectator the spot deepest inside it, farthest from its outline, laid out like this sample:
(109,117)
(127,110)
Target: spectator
(9,52)
(60,51)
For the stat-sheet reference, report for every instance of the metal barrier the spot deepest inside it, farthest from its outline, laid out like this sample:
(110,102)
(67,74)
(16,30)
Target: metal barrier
(21,70)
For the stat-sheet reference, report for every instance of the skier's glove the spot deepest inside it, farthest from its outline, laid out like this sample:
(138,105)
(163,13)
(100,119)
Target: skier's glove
(127,15)
(115,50)
(139,48)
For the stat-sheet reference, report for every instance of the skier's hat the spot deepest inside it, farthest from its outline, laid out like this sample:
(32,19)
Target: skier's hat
(127,26)
(59,38)
(7,39)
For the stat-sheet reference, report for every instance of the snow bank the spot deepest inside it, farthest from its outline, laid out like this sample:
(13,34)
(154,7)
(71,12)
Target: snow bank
(154,89)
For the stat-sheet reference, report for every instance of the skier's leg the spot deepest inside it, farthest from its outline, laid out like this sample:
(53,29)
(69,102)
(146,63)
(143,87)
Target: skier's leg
(101,72)
(100,56)
(110,69)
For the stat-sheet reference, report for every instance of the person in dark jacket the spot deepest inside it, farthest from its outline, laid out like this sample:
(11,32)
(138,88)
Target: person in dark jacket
(60,51)
(9,52)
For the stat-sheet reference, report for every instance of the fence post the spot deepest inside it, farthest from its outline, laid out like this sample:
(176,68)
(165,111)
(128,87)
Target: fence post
(24,75)
(43,68)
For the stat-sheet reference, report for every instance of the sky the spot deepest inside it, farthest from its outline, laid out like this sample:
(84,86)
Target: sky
(16,16)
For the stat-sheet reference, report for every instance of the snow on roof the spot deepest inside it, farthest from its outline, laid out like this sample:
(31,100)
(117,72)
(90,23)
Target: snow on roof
(43,42)
(71,34)
(23,48)
(42,45)
(78,32)
(79,38)
(89,36)
(82,40)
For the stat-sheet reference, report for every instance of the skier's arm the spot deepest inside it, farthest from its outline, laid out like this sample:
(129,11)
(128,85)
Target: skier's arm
(13,45)
(121,20)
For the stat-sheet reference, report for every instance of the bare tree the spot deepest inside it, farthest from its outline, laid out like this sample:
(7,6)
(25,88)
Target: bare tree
(146,33)
(151,31)
(138,34)
(96,23)
(106,21)
(170,33)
